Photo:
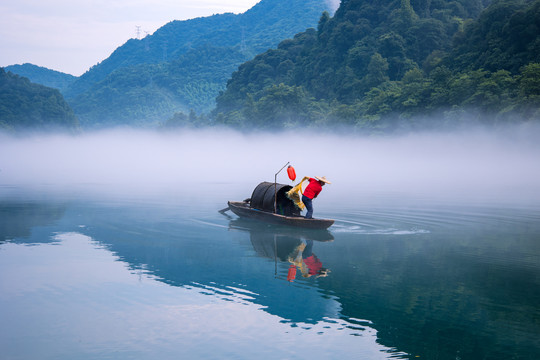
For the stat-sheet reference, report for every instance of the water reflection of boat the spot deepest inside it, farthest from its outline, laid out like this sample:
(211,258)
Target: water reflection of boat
(269,203)
(286,244)
(272,230)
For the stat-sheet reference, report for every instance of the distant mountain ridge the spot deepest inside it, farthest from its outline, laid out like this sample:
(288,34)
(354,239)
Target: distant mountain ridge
(43,76)
(183,65)
(167,43)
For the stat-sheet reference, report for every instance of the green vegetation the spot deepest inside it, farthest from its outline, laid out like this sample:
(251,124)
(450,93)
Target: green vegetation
(184,65)
(375,65)
(168,42)
(43,76)
(145,95)
(25,105)
(386,65)
(181,120)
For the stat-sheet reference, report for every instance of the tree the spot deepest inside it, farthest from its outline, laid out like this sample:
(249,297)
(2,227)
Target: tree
(377,71)
(414,94)
(321,27)
(25,105)
(392,47)
(282,106)
(428,35)
(529,85)
(404,17)
(529,89)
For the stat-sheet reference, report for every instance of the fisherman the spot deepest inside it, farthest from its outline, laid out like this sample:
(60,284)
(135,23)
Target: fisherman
(312,190)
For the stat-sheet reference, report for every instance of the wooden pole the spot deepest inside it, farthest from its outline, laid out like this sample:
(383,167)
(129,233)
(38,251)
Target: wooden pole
(275,186)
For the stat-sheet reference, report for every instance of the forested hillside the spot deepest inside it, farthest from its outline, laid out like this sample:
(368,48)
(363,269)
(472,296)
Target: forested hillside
(43,76)
(168,42)
(25,105)
(185,64)
(394,64)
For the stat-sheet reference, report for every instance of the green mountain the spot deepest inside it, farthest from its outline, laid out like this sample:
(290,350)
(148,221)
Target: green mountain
(183,65)
(43,76)
(168,42)
(25,105)
(386,65)
(505,37)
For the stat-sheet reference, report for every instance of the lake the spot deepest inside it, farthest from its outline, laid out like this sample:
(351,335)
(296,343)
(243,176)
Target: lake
(85,276)
(112,246)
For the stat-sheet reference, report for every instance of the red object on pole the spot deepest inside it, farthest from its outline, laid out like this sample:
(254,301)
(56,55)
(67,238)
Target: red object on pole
(291,173)
(291,275)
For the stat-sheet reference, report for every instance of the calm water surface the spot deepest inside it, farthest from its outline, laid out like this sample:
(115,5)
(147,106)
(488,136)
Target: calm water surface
(166,276)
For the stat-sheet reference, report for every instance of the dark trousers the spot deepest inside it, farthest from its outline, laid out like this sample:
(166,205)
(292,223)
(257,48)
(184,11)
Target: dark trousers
(309,206)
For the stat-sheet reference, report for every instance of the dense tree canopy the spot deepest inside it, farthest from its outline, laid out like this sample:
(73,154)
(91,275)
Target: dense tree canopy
(374,65)
(505,37)
(27,105)
(395,64)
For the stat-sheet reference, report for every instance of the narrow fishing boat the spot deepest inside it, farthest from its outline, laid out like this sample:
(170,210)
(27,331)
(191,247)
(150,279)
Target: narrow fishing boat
(269,202)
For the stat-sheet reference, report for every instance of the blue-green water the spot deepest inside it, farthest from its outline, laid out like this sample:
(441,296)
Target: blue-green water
(164,275)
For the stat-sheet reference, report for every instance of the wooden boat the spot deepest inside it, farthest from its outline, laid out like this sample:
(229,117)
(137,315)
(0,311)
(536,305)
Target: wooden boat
(262,232)
(243,209)
(269,203)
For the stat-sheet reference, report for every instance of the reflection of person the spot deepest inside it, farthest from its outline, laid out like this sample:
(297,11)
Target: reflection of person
(312,190)
(304,258)
(312,262)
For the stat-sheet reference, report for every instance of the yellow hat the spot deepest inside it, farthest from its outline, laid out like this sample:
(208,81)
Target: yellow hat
(323,179)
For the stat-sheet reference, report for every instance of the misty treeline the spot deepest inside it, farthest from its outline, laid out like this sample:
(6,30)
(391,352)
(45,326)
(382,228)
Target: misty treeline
(396,64)
(374,65)
(24,104)
(184,64)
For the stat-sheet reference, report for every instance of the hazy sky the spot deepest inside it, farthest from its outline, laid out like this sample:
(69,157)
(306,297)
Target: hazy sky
(73,35)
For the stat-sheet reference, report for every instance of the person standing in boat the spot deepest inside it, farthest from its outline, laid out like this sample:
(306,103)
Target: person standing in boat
(311,192)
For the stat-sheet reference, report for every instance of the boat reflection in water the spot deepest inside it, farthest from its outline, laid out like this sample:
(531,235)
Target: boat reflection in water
(286,244)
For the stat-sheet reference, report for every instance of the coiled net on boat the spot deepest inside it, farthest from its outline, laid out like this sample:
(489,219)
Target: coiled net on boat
(295,194)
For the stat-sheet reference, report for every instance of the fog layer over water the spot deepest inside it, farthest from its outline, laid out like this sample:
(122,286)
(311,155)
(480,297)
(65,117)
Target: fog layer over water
(500,165)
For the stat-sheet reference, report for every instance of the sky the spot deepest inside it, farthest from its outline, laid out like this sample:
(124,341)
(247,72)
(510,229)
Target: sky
(73,35)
